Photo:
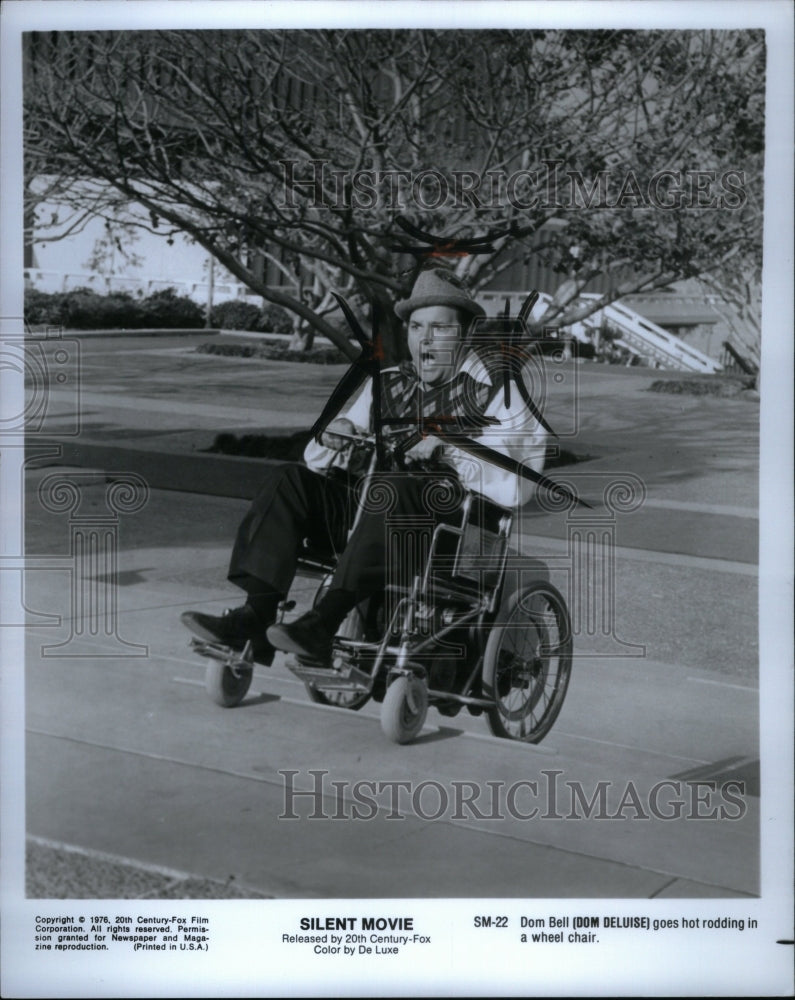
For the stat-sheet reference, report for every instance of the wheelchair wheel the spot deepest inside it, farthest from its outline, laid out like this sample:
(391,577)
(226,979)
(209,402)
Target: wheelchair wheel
(404,708)
(352,628)
(527,663)
(225,685)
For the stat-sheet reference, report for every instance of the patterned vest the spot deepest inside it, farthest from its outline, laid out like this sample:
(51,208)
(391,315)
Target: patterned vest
(462,398)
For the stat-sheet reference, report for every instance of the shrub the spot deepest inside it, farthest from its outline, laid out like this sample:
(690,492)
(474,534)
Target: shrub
(724,386)
(284,447)
(276,352)
(236,315)
(84,309)
(240,315)
(274,319)
(171,311)
(43,307)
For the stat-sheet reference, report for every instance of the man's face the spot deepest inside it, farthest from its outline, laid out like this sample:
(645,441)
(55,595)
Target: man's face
(435,336)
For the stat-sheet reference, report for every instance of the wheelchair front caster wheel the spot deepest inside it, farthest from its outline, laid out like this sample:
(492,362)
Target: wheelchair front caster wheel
(227,686)
(404,708)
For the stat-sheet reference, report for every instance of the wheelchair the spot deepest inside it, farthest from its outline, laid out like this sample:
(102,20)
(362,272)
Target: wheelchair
(453,636)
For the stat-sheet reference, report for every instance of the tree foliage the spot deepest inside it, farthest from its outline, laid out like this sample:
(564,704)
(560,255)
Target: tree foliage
(217,134)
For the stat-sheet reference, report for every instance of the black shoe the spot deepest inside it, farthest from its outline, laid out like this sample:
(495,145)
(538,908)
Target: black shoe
(233,629)
(307,637)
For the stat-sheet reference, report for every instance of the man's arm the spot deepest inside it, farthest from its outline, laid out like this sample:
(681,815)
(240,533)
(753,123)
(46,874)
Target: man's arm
(519,436)
(320,458)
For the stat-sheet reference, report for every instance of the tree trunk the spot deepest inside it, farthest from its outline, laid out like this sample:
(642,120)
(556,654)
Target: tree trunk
(302,339)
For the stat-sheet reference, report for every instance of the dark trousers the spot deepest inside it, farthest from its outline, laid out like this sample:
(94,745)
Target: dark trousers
(295,504)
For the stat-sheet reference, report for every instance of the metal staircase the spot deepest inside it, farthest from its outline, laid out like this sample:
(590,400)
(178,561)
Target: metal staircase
(637,334)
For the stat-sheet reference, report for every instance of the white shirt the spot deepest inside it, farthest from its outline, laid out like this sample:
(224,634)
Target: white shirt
(517,435)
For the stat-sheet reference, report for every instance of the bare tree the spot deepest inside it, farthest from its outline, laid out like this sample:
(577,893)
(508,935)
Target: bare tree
(737,298)
(291,155)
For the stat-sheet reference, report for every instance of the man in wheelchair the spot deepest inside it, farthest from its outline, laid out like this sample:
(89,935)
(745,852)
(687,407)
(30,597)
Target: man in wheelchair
(315,503)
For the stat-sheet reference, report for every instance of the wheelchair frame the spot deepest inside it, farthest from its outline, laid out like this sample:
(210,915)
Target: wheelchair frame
(459,588)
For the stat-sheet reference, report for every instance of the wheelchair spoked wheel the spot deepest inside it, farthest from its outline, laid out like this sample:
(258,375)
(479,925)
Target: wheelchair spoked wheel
(227,686)
(527,664)
(352,700)
(404,708)
(352,628)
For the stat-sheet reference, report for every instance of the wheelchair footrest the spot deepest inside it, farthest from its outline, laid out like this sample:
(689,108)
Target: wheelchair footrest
(347,679)
(230,657)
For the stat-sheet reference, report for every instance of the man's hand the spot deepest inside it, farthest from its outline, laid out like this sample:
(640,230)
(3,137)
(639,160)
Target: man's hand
(428,449)
(331,440)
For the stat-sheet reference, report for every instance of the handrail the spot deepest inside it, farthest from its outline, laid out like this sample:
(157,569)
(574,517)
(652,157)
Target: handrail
(647,336)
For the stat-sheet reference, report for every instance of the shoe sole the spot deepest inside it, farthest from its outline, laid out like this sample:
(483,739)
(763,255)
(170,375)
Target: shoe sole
(279,639)
(198,629)
(263,657)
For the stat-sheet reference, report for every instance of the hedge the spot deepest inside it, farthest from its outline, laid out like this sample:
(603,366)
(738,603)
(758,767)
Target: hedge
(85,309)
(239,315)
(724,386)
(276,351)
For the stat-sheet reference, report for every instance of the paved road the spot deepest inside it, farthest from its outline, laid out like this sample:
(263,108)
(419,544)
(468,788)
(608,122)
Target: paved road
(130,765)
